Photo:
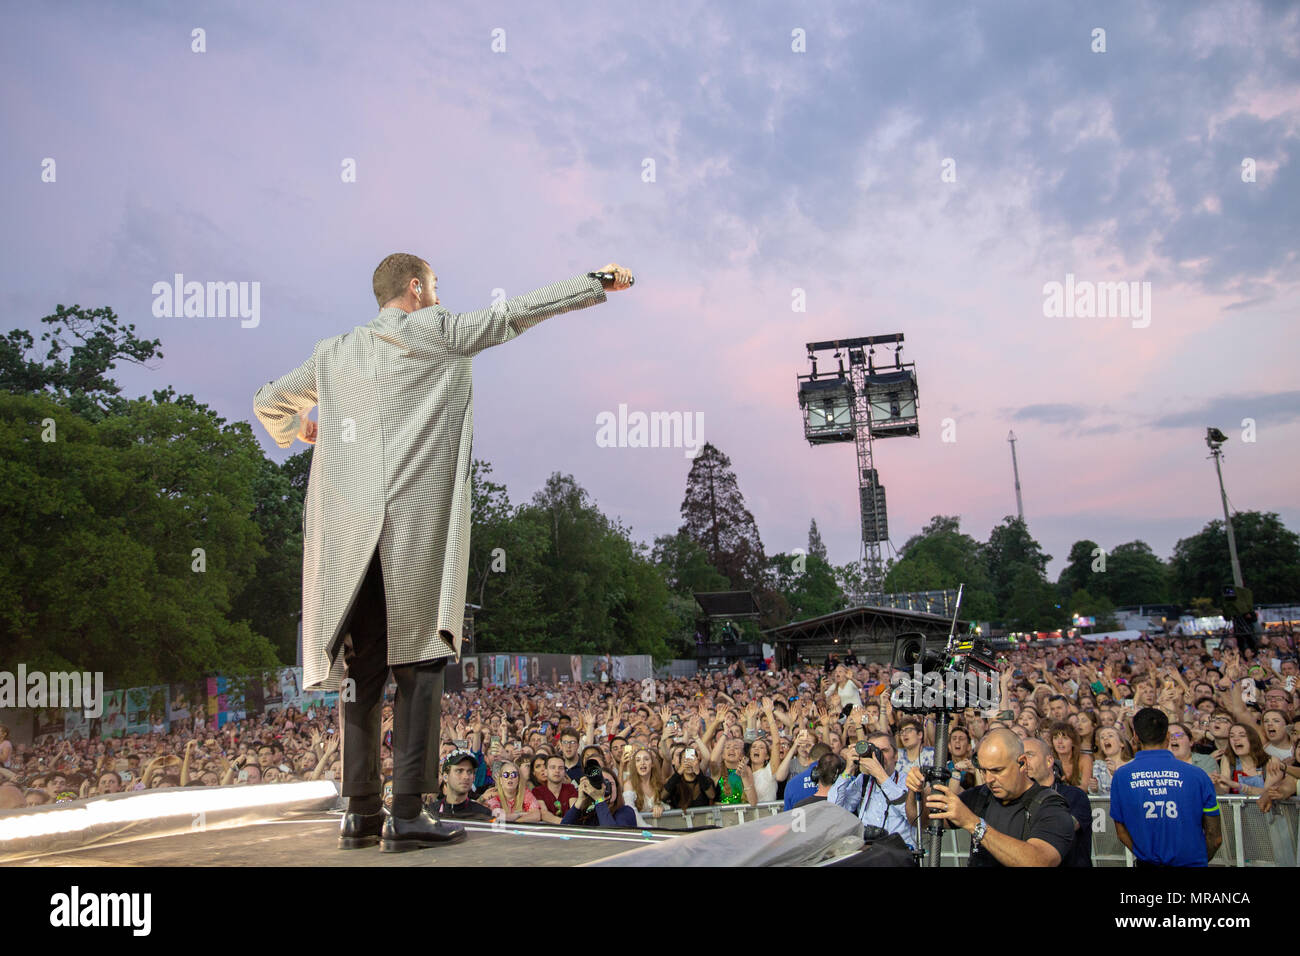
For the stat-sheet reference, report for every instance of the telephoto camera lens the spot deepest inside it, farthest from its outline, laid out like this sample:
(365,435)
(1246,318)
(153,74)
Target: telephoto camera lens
(594,774)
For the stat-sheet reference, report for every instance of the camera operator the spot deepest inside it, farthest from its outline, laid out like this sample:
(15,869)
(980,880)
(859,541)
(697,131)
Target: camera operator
(1012,820)
(872,787)
(600,801)
(1044,771)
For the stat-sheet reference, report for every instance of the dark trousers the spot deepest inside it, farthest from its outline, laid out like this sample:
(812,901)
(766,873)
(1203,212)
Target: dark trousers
(416,709)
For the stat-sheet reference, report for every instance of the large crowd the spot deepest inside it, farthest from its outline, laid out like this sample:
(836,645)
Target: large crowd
(624,753)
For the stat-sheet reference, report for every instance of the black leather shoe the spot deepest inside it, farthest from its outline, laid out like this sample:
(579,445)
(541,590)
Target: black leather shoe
(359,830)
(419,832)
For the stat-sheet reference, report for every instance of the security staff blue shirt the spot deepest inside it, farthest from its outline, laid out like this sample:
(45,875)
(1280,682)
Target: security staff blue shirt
(1161,801)
(799,786)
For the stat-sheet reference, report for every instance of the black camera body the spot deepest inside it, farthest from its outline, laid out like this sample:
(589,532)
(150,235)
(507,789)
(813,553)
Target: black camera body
(595,774)
(866,748)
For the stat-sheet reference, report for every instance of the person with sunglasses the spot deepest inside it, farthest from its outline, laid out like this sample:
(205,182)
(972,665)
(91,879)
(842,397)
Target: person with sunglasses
(509,801)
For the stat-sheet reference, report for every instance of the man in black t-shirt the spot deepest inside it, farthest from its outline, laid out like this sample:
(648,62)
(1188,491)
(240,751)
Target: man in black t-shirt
(1041,770)
(994,814)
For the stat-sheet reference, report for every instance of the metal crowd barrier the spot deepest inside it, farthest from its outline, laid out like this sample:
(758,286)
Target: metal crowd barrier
(716,816)
(1250,838)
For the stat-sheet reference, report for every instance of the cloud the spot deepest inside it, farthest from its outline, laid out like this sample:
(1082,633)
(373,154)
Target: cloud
(1051,414)
(1276,408)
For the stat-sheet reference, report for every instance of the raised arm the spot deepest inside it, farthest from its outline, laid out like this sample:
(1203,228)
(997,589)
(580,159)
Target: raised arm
(185,764)
(468,333)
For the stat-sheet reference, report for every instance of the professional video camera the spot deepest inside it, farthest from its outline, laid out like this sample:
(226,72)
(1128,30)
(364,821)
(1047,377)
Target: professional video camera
(964,674)
(929,681)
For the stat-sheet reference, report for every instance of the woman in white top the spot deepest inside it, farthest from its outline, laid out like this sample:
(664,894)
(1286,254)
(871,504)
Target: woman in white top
(643,783)
(763,760)
(842,683)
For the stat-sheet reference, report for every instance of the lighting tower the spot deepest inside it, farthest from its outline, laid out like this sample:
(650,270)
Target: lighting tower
(860,404)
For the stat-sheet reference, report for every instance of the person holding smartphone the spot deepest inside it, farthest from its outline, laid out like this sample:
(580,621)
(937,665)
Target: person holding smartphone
(687,788)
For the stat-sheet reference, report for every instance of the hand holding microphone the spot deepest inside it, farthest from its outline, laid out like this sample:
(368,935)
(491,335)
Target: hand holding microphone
(613,277)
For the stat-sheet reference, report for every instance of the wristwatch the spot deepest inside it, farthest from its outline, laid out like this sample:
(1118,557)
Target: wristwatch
(980,829)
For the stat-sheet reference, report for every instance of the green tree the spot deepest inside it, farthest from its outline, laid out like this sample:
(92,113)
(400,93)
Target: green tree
(942,557)
(1269,553)
(506,551)
(130,538)
(1032,603)
(807,584)
(585,586)
(1078,575)
(685,565)
(1009,550)
(1134,575)
(84,346)
(716,518)
(271,599)
(1084,604)
(815,545)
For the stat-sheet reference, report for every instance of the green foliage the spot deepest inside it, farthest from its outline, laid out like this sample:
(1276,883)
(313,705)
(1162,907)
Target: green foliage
(104,520)
(807,584)
(1078,575)
(942,557)
(815,545)
(1128,575)
(685,566)
(565,577)
(1268,551)
(1134,575)
(715,517)
(1084,604)
(84,346)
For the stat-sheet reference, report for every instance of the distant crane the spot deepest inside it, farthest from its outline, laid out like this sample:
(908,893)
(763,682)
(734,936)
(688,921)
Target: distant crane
(1015,469)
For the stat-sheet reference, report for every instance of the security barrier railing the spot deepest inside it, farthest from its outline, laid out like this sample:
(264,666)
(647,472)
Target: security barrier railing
(1250,838)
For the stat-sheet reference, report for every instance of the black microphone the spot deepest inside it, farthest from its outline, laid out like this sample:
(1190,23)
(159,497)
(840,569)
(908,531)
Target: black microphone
(609,277)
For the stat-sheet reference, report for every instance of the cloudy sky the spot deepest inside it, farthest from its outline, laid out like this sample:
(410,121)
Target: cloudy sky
(907,167)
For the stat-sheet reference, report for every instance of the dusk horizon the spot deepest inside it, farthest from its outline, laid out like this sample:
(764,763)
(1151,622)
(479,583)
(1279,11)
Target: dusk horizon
(958,179)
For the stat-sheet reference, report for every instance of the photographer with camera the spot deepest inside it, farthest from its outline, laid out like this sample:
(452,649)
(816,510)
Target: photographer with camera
(872,787)
(600,801)
(1013,821)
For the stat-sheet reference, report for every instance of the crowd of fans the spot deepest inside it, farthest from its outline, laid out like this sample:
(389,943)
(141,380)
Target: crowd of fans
(624,753)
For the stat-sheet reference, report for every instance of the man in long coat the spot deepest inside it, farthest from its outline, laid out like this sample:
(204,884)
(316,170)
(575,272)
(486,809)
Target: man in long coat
(387,521)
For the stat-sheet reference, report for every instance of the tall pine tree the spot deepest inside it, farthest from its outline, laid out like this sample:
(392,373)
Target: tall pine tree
(715,518)
(815,546)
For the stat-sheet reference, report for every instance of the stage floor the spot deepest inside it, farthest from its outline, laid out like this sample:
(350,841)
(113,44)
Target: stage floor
(311,839)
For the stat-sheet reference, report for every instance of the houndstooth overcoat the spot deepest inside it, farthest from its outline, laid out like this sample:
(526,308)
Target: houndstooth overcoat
(391,468)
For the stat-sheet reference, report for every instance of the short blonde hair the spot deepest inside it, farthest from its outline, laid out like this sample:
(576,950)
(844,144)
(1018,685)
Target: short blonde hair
(395,274)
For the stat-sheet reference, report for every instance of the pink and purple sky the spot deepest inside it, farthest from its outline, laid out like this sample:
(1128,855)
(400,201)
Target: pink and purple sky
(774,170)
